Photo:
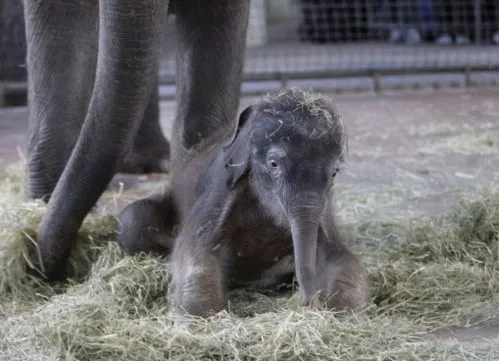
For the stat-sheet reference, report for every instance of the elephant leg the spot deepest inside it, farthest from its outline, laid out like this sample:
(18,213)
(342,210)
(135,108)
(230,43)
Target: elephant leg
(61,59)
(210,56)
(151,150)
(129,34)
(199,285)
(147,225)
(340,277)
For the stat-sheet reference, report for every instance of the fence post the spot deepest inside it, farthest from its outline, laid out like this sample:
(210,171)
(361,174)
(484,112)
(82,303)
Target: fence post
(376,82)
(477,9)
(257,24)
(2,94)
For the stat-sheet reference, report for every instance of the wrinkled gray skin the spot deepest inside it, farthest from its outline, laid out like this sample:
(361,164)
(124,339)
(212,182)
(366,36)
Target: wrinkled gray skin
(92,69)
(254,208)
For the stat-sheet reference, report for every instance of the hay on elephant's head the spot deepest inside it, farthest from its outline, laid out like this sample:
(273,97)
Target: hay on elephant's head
(426,273)
(298,107)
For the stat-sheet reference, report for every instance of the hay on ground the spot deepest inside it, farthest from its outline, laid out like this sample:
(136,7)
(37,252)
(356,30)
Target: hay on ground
(426,273)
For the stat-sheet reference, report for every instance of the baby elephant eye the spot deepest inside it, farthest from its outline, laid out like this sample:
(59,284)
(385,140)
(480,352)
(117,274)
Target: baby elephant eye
(273,166)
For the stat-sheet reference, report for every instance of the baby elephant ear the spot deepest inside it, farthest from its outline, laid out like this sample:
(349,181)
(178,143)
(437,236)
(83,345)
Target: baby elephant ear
(236,151)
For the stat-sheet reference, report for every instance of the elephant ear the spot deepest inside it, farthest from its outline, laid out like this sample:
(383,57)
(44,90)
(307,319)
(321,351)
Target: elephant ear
(237,152)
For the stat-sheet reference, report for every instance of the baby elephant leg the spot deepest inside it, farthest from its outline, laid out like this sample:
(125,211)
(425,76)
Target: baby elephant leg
(198,285)
(340,276)
(147,225)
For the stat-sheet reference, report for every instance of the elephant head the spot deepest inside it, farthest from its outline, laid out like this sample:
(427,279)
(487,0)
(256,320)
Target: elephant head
(290,147)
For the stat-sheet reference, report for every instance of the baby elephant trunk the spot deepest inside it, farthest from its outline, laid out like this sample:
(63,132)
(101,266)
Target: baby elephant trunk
(304,222)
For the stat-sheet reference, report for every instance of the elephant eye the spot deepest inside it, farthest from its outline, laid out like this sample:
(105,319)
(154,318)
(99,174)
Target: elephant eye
(273,166)
(335,172)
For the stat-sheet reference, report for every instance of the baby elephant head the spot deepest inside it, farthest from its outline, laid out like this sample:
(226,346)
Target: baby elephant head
(290,147)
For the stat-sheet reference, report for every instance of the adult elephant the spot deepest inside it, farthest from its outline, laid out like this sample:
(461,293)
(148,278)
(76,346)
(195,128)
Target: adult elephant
(92,84)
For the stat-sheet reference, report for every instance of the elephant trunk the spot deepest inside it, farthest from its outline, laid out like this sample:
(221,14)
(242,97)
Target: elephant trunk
(304,222)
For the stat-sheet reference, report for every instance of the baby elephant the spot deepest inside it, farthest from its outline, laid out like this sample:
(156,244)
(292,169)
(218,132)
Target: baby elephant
(253,206)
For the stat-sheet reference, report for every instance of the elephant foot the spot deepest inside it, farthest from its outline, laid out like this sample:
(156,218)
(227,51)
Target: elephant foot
(153,158)
(56,275)
(55,267)
(147,225)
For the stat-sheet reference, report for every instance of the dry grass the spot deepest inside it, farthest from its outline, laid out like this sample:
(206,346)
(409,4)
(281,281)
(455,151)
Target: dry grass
(426,273)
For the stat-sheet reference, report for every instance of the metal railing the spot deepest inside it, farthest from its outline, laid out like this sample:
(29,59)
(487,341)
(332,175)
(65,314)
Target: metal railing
(297,40)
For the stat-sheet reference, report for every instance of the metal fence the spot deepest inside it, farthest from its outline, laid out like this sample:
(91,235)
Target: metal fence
(292,40)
